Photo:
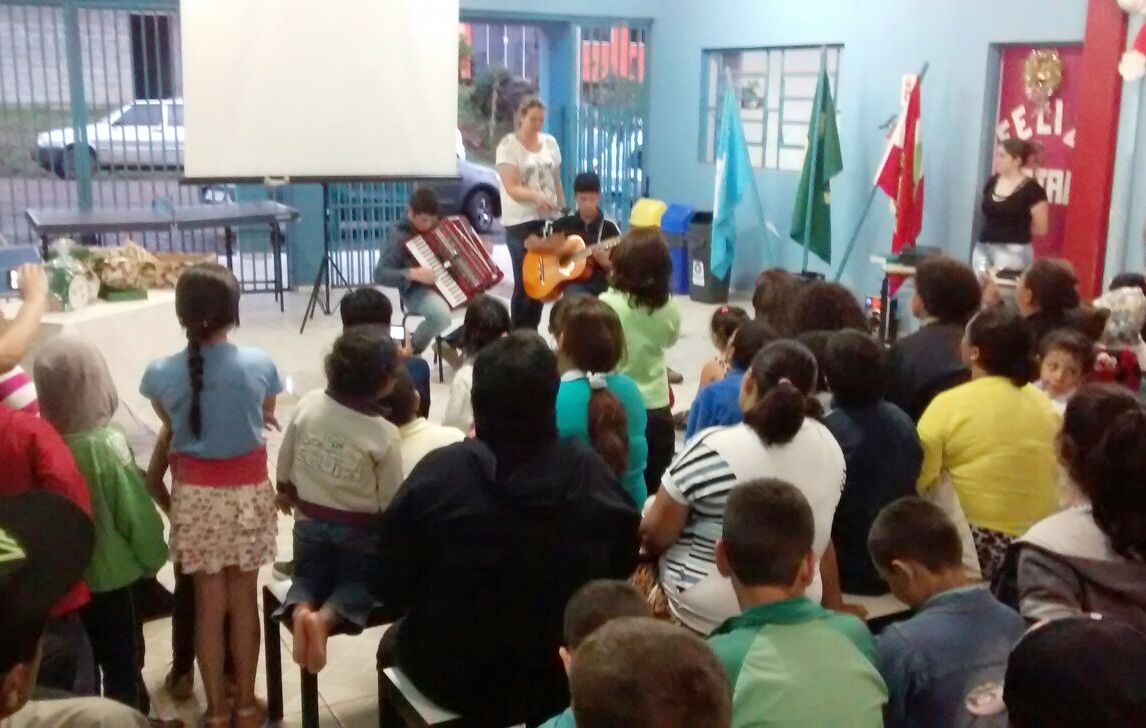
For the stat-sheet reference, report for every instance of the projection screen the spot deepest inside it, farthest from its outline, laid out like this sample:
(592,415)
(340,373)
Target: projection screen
(319,89)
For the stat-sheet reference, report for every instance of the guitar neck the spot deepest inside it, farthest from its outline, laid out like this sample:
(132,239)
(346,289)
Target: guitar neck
(607,244)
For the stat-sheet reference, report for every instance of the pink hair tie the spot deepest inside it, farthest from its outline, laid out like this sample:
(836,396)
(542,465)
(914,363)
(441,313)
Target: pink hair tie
(784,380)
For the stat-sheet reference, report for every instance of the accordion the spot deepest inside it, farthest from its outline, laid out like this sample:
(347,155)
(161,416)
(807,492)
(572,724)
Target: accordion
(454,252)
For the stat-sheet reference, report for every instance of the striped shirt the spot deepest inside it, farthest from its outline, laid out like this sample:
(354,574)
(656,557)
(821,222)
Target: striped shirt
(18,392)
(706,471)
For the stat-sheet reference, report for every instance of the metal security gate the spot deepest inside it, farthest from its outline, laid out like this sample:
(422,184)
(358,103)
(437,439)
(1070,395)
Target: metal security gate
(609,135)
(91,114)
(358,216)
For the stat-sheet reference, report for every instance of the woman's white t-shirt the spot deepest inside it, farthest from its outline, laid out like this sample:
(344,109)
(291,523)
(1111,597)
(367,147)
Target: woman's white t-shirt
(459,412)
(702,476)
(538,171)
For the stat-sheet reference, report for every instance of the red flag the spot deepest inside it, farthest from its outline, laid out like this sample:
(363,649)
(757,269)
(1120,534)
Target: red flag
(901,174)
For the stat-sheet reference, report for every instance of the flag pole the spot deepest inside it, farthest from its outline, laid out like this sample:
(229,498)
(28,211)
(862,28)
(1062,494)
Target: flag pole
(866,208)
(813,179)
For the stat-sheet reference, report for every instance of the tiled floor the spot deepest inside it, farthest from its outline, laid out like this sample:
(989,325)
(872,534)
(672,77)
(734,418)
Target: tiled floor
(348,686)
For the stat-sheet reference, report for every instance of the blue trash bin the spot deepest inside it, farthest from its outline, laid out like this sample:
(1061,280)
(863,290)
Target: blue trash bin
(674,225)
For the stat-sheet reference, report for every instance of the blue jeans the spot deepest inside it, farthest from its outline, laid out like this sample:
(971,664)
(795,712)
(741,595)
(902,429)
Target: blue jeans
(435,312)
(524,312)
(332,566)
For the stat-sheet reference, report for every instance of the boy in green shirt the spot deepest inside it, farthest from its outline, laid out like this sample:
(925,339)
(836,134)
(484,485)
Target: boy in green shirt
(789,661)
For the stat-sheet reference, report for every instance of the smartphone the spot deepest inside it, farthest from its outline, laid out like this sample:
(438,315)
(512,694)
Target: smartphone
(13,280)
(398,333)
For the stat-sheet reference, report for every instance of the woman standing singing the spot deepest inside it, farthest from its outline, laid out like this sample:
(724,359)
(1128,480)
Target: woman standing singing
(529,165)
(1015,210)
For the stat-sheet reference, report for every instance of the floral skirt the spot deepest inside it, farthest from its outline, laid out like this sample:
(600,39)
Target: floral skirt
(216,527)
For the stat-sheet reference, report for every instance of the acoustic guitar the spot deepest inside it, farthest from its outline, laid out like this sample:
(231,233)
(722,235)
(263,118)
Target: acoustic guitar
(545,274)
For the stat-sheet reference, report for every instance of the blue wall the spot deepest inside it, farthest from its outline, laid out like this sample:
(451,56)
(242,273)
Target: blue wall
(879,47)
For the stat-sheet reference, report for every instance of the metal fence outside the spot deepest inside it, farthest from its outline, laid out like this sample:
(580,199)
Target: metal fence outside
(91,115)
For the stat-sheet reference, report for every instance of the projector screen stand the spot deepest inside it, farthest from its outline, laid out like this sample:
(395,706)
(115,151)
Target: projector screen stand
(320,292)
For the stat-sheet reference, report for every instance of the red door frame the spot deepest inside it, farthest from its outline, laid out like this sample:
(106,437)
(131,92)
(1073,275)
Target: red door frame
(1088,217)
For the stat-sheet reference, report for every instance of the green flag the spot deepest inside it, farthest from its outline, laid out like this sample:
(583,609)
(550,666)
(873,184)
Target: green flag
(812,216)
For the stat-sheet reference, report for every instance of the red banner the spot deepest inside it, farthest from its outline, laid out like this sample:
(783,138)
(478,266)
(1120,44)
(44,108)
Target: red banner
(1051,127)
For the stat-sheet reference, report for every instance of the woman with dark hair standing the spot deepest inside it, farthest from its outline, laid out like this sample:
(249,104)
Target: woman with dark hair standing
(1015,210)
(1092,558)
(651,320)
(529,166)
(595,404)
(780,438)
(993,437)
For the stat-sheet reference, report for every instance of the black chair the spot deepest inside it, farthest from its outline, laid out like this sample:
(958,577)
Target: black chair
(273,596)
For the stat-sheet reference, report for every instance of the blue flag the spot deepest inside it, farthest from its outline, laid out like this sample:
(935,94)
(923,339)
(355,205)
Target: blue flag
(737,211)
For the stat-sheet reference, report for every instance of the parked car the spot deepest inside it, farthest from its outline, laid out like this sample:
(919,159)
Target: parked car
(473,193)
(144,133)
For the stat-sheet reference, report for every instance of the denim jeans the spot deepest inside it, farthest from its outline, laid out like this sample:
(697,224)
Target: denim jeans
(435,312)
(524,312)
(332,566)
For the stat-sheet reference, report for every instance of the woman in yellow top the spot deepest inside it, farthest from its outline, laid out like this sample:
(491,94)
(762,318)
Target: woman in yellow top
(994,438)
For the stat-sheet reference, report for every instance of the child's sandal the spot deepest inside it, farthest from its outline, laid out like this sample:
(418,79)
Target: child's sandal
(252,716)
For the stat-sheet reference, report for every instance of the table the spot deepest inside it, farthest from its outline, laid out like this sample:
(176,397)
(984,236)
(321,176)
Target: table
(49,222)
(887,332)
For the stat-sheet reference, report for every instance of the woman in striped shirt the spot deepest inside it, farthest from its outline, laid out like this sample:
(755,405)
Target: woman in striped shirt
(780,438)
(16,389)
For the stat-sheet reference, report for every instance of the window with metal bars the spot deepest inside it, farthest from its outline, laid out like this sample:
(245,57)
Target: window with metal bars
(775,88)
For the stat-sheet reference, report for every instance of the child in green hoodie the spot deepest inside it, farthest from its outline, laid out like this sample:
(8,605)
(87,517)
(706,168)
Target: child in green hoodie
(78,397)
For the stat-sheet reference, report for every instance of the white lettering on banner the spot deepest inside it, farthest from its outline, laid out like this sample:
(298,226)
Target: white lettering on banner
(1019,118)
(1044,127)
(1057,184)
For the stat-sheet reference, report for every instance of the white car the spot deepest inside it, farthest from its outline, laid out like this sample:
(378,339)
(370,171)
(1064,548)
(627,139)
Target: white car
(145,133)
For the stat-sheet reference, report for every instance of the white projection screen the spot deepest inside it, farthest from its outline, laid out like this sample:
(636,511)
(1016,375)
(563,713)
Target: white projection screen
(319,89)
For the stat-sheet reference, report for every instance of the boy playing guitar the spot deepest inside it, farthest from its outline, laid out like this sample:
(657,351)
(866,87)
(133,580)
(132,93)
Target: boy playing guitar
(591,225)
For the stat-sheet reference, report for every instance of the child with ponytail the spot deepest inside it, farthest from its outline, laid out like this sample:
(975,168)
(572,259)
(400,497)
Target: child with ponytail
(215,398)
(595,404)
(779,438)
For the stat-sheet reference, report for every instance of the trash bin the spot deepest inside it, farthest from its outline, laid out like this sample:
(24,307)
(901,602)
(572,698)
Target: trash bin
(674,225)
(702,285)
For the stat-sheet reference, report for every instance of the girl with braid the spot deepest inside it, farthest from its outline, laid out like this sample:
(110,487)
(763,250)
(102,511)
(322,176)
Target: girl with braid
(216,398)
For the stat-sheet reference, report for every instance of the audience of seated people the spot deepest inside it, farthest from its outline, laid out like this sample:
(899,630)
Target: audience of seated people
(927,362)
(788,660)
(881,452)
(992,439)
(959,638)
(780,438)
(487,539)
(767,515)
(718,404)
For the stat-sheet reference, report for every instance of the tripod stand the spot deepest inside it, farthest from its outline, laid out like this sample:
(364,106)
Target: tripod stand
(320,292)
